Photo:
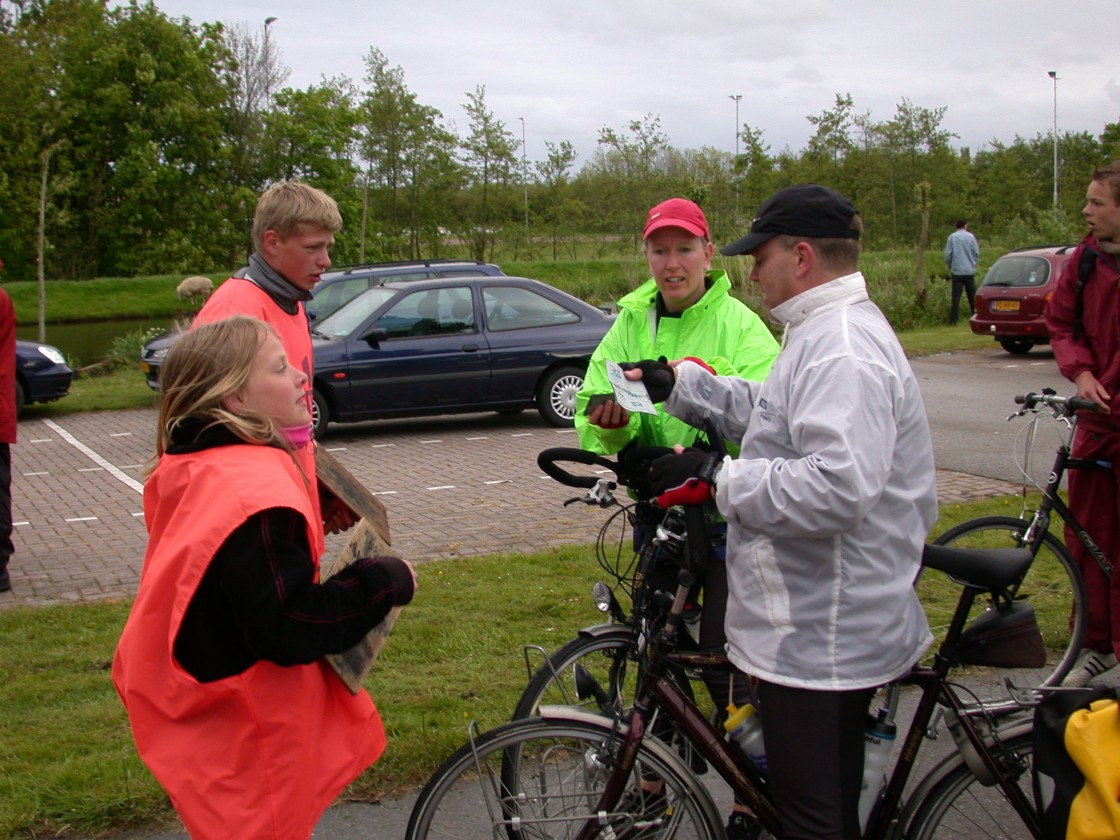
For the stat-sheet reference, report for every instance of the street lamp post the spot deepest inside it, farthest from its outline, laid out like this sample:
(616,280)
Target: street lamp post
(737,98)
(525,175)
(1053,74)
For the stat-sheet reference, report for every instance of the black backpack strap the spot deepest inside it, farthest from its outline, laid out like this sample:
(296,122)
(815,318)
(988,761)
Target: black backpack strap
(1084,272)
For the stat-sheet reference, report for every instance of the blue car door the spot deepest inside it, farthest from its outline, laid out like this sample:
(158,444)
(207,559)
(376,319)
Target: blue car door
(433,355)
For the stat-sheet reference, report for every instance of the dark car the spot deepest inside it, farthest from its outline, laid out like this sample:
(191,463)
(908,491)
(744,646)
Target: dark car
(336,288)
(42,374)
(454,345)
(344,284)
(1009,304)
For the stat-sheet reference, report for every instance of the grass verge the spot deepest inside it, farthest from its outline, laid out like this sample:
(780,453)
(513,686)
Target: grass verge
(67,761)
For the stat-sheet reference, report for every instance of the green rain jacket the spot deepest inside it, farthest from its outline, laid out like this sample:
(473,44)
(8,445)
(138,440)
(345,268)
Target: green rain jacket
(718,328)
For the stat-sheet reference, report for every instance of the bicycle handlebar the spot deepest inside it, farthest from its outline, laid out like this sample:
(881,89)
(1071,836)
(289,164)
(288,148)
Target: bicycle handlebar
(1065,405)
(547,461)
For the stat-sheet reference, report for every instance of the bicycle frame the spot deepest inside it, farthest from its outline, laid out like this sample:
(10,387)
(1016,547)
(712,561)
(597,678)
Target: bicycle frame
(1052,501)
(658,692)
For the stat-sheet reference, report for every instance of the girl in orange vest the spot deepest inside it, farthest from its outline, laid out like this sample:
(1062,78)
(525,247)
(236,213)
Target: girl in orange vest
(220,664)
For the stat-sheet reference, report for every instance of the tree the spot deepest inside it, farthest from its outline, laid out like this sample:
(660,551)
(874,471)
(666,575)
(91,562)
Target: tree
(629,172)
(559,209)
(489,153)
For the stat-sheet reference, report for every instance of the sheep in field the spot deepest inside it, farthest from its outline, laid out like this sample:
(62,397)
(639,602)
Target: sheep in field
(193,287)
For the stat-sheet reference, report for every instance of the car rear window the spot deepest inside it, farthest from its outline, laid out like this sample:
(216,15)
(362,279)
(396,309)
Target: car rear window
(1019,272)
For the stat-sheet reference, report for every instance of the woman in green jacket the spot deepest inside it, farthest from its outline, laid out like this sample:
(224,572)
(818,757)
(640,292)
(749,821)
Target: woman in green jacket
(684,310)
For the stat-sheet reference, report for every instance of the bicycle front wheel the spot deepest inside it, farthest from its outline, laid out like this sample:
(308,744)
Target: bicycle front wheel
(603,655)
(1053,586)
(961,808)
(555,772)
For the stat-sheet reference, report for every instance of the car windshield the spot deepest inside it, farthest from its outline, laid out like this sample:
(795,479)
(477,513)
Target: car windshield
(1018,272)
(351,316)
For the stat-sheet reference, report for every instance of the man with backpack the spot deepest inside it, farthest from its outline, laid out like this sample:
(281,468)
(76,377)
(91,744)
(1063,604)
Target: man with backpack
(1082,320)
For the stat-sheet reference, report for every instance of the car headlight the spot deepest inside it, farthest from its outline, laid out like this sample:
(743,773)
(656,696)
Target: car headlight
(157,355)
(51,353)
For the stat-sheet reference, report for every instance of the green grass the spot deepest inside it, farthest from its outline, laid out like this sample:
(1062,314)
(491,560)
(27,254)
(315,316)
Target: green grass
(66,756)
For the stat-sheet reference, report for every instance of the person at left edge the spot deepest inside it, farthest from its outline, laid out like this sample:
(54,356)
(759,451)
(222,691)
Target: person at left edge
(7,431)
(293,232)
(220,665)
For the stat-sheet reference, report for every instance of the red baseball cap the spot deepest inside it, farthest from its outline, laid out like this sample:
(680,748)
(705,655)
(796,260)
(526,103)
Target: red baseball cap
(677,212)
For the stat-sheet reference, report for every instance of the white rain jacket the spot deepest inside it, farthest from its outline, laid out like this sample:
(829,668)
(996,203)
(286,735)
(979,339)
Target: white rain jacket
(830,500)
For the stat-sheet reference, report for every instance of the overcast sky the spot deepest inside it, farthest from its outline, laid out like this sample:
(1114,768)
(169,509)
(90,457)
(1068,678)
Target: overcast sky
(571,67)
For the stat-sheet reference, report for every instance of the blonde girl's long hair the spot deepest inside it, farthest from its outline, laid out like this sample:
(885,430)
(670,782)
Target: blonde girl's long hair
(202,369)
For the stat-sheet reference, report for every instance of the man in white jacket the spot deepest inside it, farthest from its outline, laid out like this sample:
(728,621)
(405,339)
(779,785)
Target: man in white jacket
(828,504)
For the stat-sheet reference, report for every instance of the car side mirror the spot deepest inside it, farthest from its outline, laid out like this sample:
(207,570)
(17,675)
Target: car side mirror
(375,335)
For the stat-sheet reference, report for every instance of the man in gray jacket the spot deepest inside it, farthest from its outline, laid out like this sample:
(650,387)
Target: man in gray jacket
(828,504)
(962,255)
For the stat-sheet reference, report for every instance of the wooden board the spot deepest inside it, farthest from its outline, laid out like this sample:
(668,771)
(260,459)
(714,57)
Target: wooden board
(370,537)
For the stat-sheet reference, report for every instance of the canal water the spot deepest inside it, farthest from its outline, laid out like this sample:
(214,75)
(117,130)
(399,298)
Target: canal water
(86,343)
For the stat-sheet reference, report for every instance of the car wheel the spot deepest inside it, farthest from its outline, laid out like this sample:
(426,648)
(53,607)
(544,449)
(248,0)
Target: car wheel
(21,398)
(320,413)
(1017,346)
(556,395)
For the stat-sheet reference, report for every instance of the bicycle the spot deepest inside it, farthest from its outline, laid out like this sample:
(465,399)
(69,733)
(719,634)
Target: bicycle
(1053,584)
(592,670)
(570,772)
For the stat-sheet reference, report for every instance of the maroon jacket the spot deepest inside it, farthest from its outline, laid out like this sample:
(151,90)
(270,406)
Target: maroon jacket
(7,369)
(1098,348)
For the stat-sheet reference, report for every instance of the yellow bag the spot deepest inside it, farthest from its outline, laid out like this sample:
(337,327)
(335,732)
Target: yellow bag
(1077,764)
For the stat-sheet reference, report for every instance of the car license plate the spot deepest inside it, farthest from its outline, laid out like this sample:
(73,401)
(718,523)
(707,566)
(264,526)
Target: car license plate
(145,367)
(1005,306)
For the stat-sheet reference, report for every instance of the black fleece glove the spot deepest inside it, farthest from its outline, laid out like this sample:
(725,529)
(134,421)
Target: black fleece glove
(658,377)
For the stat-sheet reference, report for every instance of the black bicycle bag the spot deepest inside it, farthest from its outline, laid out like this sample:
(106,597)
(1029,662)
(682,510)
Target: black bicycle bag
(1005,636)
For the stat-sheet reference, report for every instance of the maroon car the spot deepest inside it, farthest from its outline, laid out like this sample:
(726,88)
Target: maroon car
(1010,302)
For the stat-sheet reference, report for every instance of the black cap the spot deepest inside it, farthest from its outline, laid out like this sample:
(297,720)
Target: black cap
(806,210)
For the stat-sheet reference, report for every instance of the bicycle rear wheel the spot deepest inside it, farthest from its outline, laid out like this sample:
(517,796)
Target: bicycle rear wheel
(555,771)
(961,808)
(1052,585)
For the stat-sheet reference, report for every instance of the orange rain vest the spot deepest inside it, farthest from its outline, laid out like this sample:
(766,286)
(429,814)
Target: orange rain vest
(260,754)
(240,296)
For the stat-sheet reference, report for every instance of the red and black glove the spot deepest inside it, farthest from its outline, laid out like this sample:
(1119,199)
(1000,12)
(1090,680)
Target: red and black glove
(684,479)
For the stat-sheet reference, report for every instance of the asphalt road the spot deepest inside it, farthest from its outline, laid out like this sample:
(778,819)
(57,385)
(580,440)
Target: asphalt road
(969,397)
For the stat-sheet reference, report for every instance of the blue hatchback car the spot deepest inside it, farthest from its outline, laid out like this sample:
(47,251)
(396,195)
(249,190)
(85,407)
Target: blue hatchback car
(42,374)
(453,345)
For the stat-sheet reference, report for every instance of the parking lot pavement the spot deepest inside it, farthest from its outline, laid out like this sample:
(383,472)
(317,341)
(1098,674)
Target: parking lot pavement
(453,487)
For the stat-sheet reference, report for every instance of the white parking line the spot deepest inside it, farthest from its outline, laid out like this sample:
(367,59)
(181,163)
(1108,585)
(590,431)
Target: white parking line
(93,456)
(81,519)
(443,487)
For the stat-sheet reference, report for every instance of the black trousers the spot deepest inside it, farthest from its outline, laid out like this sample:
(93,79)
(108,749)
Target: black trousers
(814,754)
(962,283)
(6,547)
